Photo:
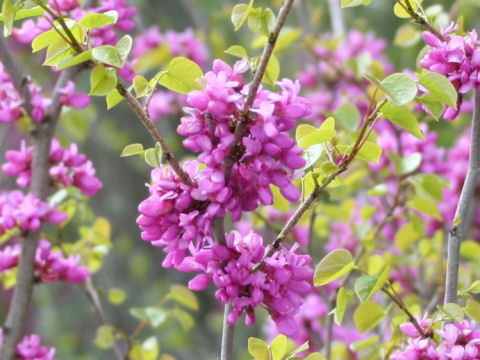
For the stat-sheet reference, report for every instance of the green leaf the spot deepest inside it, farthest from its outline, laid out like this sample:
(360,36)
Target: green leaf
(407,35)
(400,11)
(102,80)
(303,130)
(406,237)
(261,22)
(78,59)
(368,285)
(323,134)
(184,318)
(8,16)
(107,54)
(240,14)
(292,354)
(184,296)
(279,347)
(155,316)
(140,84)
(429,186)
(258,349)
(151,158)
(367,316)
(343,297)
(473,309)
(57,51)
(347,116)
(432,103)
(113,99)
(403,118)
(44,39)
(26,13)
(453,311)
(124,46)
(272,71)
(399,88)
(470,250)
(426,207)
(439,86)
(148,350)
(370,151)
(96,20)
(315,356)
(312,154)
(181,75)
(474,287)
(354,3)
(378,190)
(407,164)
(237,51)
(105,337)
(333,266)
(116,296)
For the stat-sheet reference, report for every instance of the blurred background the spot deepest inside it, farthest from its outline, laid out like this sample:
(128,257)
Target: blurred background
(61,313)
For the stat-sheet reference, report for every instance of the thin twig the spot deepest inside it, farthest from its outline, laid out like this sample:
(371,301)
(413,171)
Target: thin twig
(227,335)
(92,295)
(457,231)
(419,19)
(336,18)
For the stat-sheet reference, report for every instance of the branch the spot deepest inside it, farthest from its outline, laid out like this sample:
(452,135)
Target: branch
(152,129)
(457,231)
(419,19)
(92,295)
(336,18)
(227,335)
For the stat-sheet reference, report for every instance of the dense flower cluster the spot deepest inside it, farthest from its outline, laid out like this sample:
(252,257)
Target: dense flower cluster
(31,349)
(67,167)
(458,341)
(332,79)
(456,57)
(50,266)
(279,284)
(26,212)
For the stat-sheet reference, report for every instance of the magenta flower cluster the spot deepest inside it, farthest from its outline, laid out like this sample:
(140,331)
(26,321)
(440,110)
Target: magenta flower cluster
(457,341)
(26,212)
(50,266)
(31,349)
(332,80)
(179,218)
(279,284)
(67,167)
(456,57)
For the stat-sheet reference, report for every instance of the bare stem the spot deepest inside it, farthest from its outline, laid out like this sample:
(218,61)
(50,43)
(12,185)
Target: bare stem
(457,231)
(227,335)
(152,129)
(92,295)
(336,18)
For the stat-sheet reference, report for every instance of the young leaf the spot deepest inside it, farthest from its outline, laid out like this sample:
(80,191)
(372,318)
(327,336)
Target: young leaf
(279,347)
(473,309)
(439,86)
(184,296)
(181,75)
(406,236)
(312,154)
(333,266)
(258,349)
(367,316)
(240,14)
(354,3)
(132,149)
(427,207)
(124,46)
(113,99)
(237,50)
(343,297)
(140,84)
(184,318)
(105,337)
(95,20)
(102,80)
(370,151)
(403,118)
(78,59)
(405,165)
(347,116)
(8,16)
(116,296)
(154,315)
(272,71)
(107,54)
(453,311)
(399,88)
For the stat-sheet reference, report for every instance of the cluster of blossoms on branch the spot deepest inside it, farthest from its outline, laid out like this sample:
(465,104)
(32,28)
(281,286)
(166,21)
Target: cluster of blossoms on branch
(26,212)
(31,349)
(457,58)
(456,341)
(50,266)
(68,167)
(232,175)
